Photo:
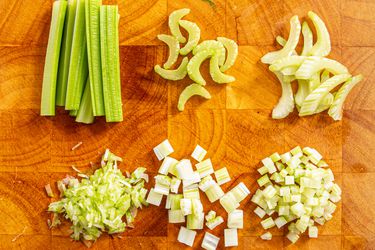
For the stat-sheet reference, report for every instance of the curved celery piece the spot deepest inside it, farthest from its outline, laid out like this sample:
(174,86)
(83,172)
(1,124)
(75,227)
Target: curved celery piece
(314,82)
(325,103)
(307,39)
(289,71)
(335,110)
(286,101)
(325,76)
(291,44)
(290,61)
(214,46)
(215,72)
(189,91)
(84,113)
(232,49)
(173,23)
(176,74)
(313,100)
(194,36)
(174,49)
(322,47)
(281,41)
(195,64)
(302,91)
(314,64)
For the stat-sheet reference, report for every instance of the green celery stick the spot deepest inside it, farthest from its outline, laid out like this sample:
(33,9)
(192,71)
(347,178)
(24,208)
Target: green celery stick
(78,69)
(109,41)
(93,49)
(63,72)
(73,112)
(48,100)
(85,113)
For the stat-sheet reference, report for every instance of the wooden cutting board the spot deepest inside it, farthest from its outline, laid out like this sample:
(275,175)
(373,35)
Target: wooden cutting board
(235,125)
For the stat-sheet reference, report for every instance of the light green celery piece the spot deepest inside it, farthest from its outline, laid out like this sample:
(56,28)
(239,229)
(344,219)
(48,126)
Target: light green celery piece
(194,36)
(63,73)
(325,76)
(289,71)
(315,64)
(286,102)
(48,100)
(214,47)
(78,66)
(322,47)
(173,74)
(174,25)
(286,62)
(281,41)
(109,41)
(85,114)
(217,75)
(93,52)
(314,81)
(307,39)
(193,67)
(313,100)
(174,49)
(232,52)
(73,112)
(302,91)
(189,91)
(325,103)
(291,44)
(335,110)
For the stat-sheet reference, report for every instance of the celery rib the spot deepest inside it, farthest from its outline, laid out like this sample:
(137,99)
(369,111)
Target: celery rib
(286,101)
(48,99)
(85,114)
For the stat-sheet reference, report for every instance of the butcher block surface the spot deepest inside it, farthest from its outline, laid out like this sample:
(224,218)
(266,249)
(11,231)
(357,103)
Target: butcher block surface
(234,126)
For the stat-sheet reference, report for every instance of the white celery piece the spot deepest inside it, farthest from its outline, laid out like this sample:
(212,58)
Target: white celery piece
(230,237)
(154,198)
(174,49)
(307,39)
(199,153)
(214,222)
(285,104)
(206,183)
(210,215)
(167,164)
(322,47)
(287,63)
(204,168)
(194,36)
(176,216)
(240,192)
(260,212)
(269,192)
(269,164)
(298,209)
(267,223)
(197,206)
(266,236)
(313,232)
(185,169)
(263,170)
(186,206)
(162,184)
(235,219)
(222,176)
(174,25)
(275,157)
(196,179)
(232,49)
(291,44)
(293,237)
(195,221)
(280,222)
(229,203)
(210,241)
(168,202)
(313,154)
(191,192)
(315,64)
(263,180)
(175,184)
(214,192)
(186,236)
(163,150)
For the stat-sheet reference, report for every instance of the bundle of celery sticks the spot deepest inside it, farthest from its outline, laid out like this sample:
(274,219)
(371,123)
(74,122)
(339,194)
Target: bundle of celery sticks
(82,68)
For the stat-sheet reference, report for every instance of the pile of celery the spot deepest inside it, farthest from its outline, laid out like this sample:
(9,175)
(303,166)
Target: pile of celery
(82,68)
(98,202)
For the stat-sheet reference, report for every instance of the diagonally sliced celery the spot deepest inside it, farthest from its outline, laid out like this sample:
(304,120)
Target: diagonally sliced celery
(325,103)
(315,64)
(93,53)
(312,101)
(290,61)
(322,47)
(47,106)
(62,77)
(302,92)
(216,74)
(281,41)
(174,49)
(109,41)
(195,64)
(176,74)
(78,69)
(194,36)
(189,91)
(286,101)
(232,49)
(84,114)
(335,110)
(173,23)
(213,46)
(307,39)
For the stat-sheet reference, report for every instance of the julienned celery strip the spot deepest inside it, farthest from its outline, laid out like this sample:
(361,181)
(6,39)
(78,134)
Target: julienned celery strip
(78,69)
(85,114)
(93,48)
(109,41)
(48,99)
(62,77)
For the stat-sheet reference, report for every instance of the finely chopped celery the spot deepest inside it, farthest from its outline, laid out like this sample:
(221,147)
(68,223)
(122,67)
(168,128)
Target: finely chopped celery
(48,99)
(109,41)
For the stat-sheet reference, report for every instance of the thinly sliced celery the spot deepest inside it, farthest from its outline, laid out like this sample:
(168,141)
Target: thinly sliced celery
(154,198)
(93,52)
(167,164)
(194,36)
(222,176)
(176,74)
(193,67)
(322,47)
(307,39)
(163,149)
(266,236)
(63,72)
(281,41)
(195,221)
(302,92)
(199,153)
(214,222)
(110,55)
(174,25)
(232,52)
(214,46)
(189,91)
(78,69)
(175,216)
(287,50)
(267,223)
(229,203)
(315,64)
(205,167)
(85,113)
(214,192)
(210,241)
(186,236)
(230,237)
(174,49)
(185,169)
(336,109)
(312,101)
(325,103)
(286,62)
(191,192)
(324,76)
(235,219)
(286,102)
(48,100)
(195,179)
(217,75)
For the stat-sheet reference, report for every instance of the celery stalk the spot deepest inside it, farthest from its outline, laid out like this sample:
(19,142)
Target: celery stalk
(85,114)
(78,69)
(109,42)
(73,112)
(93,52)
(47,107)
(63,73)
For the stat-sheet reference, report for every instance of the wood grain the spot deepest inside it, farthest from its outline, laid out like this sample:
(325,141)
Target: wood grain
(234,126)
